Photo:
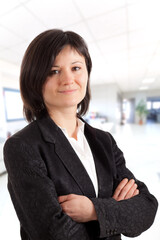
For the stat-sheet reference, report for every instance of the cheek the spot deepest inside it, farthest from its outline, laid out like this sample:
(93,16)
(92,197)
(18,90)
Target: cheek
(47,93)
(84,88)
(84,80)
(49,87)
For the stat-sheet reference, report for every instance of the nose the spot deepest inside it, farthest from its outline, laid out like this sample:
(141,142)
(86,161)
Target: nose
(67,77)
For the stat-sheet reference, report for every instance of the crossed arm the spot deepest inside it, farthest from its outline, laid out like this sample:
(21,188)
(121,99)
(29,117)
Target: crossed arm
(42,217)
(81,208)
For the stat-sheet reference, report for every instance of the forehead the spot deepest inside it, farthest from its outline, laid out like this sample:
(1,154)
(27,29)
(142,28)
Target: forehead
(69,52)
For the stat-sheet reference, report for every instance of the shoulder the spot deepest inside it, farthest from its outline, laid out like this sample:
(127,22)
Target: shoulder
(21,152)
(26,135)
(30,130)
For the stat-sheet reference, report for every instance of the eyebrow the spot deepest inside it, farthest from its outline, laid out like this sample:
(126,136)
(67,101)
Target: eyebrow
(77,62)
(71,63)
(55,66)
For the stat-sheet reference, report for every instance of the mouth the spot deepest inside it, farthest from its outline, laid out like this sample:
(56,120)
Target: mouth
(68,91)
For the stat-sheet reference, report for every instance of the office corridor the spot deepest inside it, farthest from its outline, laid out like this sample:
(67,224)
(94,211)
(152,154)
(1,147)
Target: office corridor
(141,147)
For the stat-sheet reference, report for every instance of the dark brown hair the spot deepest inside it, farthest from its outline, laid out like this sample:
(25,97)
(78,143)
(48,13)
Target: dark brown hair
(36,66)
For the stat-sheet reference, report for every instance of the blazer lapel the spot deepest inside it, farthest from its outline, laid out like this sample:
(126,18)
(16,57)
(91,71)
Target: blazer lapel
(102,162)
(53,134)
(72,162)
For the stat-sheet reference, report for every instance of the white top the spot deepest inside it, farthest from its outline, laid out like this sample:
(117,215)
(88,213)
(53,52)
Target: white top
(84,153)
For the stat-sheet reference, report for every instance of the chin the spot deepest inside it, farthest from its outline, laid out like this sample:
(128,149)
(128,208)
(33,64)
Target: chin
(73,103)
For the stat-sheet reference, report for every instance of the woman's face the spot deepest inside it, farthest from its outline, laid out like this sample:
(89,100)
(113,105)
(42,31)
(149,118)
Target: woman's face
(66,85)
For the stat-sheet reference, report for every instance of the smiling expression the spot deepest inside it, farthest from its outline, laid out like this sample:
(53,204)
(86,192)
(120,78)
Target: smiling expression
(65,87)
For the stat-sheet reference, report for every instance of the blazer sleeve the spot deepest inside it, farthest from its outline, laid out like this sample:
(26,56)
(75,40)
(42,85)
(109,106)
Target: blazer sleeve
(34,196)
(128,217)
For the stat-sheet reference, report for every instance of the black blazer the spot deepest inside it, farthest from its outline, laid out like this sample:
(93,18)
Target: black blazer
(42,165)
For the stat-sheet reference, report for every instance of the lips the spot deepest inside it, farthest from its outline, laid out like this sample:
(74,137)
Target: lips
(68,91)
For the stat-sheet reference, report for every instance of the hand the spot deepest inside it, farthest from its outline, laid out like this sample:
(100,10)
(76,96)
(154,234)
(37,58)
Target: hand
(79,208)
(125,190)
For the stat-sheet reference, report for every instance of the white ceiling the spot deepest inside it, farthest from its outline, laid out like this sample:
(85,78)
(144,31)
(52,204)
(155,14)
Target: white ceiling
(123,36)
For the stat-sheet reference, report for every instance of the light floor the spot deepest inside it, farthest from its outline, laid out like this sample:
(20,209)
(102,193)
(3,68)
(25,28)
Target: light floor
(141,147)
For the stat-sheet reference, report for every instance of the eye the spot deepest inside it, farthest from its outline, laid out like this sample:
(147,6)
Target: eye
(76,68)
(54,72)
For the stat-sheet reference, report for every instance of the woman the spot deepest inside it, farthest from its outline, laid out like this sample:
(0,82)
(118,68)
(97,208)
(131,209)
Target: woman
(68,180)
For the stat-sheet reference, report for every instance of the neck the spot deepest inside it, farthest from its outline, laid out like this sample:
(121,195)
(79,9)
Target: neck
(66,119)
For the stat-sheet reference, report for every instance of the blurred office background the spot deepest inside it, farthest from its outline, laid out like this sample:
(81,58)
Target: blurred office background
(123,37)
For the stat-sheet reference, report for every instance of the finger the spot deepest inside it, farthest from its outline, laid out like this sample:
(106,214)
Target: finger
(131,191)
(67,197)
(120,187)
(67,209)
(125,190)
(136,192)
(62,198)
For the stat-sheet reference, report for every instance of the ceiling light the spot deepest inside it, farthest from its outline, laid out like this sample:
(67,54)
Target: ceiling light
(148,80)
(143,88)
